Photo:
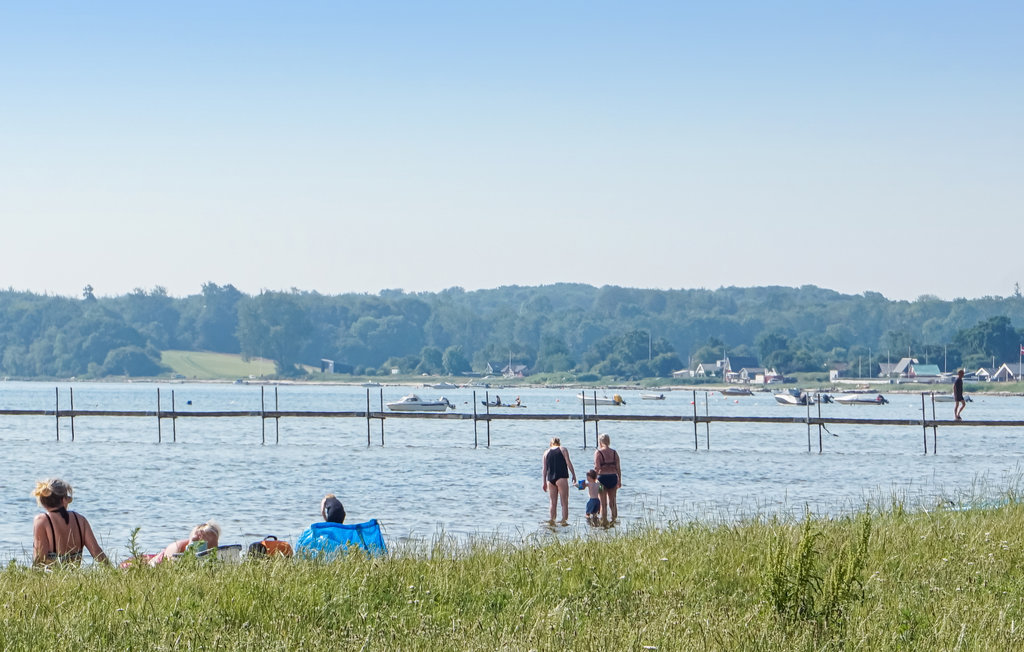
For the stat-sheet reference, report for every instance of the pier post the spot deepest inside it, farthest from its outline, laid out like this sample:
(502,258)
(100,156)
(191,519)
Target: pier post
(486,403)
(707,424)
(694,419)
(476,436)
(382,418)
(71,390)
(924,424)
(56,409)
(367,417)
(583,400)
(174,420)
(820,448)
(277,419)
(808,424)
(263,418)
(935,428)
(159,426)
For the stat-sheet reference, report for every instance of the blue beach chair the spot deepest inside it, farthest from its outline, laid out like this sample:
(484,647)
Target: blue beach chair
(330,540)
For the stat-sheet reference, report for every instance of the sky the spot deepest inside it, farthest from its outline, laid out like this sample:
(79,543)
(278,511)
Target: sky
(359,146)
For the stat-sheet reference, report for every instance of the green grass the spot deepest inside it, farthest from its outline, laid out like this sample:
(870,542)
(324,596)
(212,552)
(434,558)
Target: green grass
(203,365)
(876,580)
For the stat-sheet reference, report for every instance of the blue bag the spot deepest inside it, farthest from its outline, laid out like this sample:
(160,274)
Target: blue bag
(328,540)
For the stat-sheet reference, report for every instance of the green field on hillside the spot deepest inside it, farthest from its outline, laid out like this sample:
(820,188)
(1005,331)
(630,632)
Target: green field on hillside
(203,365)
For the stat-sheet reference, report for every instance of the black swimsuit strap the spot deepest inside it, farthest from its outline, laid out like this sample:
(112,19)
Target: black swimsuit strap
(53,534)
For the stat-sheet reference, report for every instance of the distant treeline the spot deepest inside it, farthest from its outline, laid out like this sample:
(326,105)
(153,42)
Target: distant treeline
(593,332)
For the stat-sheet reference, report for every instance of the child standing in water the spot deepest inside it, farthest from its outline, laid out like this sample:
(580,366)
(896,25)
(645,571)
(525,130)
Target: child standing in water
(594,489)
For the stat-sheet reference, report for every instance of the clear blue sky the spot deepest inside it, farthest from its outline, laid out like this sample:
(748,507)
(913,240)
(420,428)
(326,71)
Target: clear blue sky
(356,146)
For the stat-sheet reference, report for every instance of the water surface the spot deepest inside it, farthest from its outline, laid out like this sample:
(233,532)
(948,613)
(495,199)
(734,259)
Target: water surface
(429,478)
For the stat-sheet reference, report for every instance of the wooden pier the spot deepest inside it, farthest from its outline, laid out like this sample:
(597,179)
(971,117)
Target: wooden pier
(808,419)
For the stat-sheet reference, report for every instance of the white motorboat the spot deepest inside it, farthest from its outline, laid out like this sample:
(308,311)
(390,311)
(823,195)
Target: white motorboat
(652,397)
(860,399)
(413,403)
(737,391)
(794,397)
(601,400)
(948,398)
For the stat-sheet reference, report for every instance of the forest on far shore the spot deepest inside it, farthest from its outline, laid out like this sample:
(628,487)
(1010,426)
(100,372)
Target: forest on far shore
(593,332)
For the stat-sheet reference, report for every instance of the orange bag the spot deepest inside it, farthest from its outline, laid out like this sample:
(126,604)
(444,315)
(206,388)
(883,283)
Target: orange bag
(270,547)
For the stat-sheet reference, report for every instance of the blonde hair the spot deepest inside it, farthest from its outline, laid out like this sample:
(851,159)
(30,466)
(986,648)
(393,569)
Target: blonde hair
(555,441)
(205,529)
(604,439)
(52,492)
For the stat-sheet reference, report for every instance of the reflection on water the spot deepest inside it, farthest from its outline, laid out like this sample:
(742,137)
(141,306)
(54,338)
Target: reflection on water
(429,478)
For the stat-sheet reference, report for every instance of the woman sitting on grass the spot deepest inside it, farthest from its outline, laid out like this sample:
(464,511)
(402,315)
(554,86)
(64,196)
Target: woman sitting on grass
(59,536)
(203,537)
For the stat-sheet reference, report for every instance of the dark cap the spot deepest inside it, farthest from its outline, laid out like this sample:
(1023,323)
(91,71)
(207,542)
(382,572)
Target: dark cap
(334,512)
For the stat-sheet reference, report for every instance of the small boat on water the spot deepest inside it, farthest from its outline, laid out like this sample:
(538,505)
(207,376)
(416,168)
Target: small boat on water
(497,402)
(948,398)
(601,400)
(652,397)
(860,399)
(737,391)
(413,403)
(794,397)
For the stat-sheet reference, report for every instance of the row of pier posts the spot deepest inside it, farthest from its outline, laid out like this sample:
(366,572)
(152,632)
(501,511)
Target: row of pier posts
(487,417)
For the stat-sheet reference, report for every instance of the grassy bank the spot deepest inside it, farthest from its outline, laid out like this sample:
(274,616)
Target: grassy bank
(893,580)
(204,365)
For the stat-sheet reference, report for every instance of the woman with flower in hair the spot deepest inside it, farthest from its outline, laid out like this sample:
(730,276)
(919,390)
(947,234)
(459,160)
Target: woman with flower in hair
(60,536)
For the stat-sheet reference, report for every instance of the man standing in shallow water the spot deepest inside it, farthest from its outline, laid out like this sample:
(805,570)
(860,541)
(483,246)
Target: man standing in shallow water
(958,395)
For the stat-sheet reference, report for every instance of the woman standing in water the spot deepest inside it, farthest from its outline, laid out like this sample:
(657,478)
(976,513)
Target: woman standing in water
(60,536)
(609,474)
(555,470)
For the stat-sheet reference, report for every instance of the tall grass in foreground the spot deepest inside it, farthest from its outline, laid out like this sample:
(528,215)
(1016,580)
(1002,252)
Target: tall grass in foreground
(876,580)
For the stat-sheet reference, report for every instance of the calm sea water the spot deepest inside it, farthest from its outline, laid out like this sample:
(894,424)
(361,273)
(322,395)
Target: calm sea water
(428,478)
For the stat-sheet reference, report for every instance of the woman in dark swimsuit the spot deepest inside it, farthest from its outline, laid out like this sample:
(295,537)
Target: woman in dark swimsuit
(555,470)
(609,474)
(59,536)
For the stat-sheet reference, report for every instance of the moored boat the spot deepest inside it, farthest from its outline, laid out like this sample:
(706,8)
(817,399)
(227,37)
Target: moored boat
(737,391)
(948,398)
(860,399)
(794,397)
(601,400)
(652,397)
(413,403)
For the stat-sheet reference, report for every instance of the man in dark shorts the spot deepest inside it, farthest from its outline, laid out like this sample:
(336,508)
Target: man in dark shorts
(958,395)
